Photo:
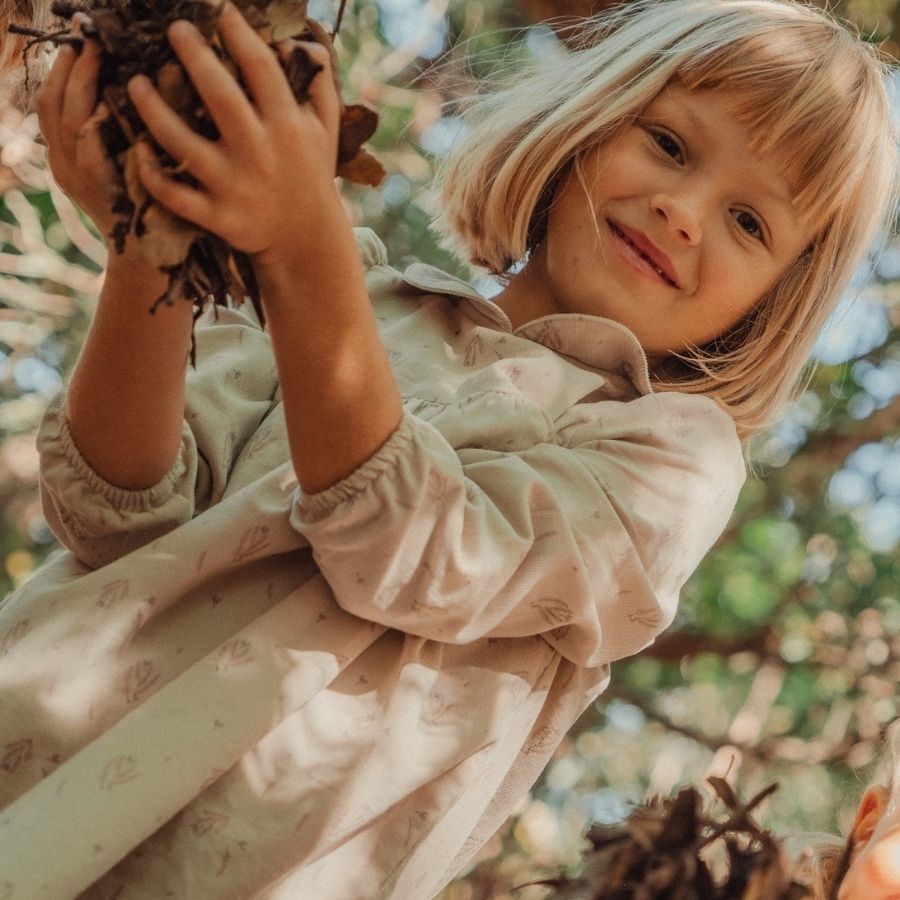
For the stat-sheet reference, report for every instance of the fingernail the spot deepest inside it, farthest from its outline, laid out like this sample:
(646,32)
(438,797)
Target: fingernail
(137,85)
(181,28)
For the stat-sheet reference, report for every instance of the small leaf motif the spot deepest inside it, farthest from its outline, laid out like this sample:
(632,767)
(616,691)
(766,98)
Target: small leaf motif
(209,820)
(13,635)
(140,678)
(17,752)
(553,610)
(648,617)
(473,350)
(235,653)
(544,740)
(74,524)
(252,542)
(119,770)
(112,593)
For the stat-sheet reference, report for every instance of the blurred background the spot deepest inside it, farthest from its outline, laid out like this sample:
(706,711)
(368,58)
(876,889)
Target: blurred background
(785,656)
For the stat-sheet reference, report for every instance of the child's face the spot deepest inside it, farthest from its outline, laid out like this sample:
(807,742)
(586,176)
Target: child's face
(875,871)
(683,185)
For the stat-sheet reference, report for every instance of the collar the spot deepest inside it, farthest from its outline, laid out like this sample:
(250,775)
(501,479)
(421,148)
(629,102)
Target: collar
(591,340)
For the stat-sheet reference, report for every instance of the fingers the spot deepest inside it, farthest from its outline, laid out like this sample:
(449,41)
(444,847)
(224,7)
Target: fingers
(179,198)
(49,99)
(323,94)
(171,132)
(221,94)
(80,97)
(262,74)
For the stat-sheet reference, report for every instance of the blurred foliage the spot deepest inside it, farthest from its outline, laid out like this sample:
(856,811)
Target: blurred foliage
(785,656)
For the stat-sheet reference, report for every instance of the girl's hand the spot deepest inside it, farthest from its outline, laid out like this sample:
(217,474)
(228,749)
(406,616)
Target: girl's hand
(264,181)
(69,117)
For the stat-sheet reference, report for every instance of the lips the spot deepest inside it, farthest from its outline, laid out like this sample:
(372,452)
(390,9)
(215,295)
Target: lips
(648,251)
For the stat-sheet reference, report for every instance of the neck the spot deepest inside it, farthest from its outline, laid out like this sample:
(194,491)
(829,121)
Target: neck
(526,297)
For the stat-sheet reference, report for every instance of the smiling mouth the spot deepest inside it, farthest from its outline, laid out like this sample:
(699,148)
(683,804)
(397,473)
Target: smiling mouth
(619,233)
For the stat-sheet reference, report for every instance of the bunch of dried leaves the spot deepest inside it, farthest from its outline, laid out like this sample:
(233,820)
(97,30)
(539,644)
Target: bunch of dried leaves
(663,852)
(132,35)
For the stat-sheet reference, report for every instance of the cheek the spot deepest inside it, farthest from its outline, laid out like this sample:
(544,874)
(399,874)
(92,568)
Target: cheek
(875,875)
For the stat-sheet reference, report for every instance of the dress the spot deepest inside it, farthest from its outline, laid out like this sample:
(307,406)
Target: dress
(225,688)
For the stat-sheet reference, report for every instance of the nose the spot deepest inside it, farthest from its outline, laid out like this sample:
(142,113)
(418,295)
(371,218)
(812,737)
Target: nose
(681,213)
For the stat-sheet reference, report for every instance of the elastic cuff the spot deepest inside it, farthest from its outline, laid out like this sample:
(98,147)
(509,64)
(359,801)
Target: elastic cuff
(119,498)
(312,507)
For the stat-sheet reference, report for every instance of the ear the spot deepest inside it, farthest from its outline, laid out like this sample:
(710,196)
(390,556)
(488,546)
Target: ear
(868,815)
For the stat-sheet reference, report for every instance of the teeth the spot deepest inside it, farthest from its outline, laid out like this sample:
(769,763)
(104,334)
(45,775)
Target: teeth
(644,256)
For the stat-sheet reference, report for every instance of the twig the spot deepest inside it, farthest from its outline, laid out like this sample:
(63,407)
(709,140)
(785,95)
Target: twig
(340,18)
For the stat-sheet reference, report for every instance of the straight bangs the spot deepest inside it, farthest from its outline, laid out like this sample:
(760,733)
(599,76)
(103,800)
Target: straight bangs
(804,94)
(811,94)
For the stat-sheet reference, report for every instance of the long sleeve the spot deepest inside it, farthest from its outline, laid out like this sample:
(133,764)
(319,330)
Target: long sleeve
(586,539)
(226,398)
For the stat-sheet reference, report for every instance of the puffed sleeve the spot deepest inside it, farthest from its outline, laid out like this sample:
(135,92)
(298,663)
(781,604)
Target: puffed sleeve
(227,397)
(586,540)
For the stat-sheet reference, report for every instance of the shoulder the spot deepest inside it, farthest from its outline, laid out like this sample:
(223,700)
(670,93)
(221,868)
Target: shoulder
(685,435)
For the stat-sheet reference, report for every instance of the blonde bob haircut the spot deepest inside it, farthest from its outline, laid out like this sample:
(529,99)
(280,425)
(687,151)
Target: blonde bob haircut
(811,92)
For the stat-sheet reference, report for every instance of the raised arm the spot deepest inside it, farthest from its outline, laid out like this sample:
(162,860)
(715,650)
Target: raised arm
(126,397)
(268,189)
(126,401)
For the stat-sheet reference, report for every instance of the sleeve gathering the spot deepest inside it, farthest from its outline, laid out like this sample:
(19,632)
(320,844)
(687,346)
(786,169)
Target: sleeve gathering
(227,397)
(585,540)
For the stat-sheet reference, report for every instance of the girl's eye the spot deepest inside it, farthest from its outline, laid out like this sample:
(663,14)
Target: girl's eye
(750,224)
(667,144)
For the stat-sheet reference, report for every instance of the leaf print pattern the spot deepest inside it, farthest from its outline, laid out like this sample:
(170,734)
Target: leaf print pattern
(139,679)
(544,740)
(17,752)
(235,653)
(112,593)
(649,617)
(548,335)
(13,635)
(209,820)
(252,543)
(553,610)
(118,771)
(75,524)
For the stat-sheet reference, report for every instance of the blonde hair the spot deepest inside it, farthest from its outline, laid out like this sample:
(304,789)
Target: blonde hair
(34,14)
(809,90)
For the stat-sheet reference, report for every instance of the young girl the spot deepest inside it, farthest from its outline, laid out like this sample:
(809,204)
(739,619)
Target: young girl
(874,864)
(332,599)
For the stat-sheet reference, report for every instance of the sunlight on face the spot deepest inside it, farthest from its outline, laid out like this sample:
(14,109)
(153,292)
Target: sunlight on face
(875,871)
(678,230)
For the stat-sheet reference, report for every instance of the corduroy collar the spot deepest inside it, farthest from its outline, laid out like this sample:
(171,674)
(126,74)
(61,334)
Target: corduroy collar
(591,340)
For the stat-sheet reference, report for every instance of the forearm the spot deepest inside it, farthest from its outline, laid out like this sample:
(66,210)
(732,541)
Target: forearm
(126,397)
(340,397)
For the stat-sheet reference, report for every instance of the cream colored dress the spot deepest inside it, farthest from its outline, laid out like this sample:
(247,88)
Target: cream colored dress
(225,688)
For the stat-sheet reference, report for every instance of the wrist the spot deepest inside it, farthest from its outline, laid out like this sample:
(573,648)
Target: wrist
(305,241)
